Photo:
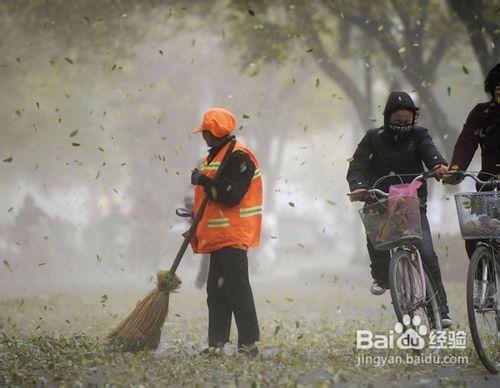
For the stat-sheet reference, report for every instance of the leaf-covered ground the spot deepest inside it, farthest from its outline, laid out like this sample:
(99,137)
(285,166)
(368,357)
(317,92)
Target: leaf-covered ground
(308,337)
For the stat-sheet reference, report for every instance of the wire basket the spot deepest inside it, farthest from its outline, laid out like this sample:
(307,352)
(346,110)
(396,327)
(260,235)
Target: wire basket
(479,215)
(391,223)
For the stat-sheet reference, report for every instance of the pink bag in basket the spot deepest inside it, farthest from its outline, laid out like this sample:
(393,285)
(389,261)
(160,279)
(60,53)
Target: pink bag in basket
(404,190)
(408,193)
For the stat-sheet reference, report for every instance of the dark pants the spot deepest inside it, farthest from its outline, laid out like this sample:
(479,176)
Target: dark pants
(470,246)
(380,262)
(229,292)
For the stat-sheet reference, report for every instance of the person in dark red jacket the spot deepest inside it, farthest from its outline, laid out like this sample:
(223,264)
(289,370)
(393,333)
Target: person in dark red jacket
(482,128)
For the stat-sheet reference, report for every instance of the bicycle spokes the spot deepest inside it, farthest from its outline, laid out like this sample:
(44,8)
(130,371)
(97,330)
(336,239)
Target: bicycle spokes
(483,307)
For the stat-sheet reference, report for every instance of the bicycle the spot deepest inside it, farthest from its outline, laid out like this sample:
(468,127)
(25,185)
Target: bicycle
(479,219)
(394,224)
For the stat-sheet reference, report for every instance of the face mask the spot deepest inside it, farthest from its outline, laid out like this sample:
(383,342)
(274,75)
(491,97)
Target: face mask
(400,129)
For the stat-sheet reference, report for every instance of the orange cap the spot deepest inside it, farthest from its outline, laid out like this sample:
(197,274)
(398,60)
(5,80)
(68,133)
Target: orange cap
(218,121)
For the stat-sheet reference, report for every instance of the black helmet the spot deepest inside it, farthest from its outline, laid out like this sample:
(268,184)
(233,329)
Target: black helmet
(492,80)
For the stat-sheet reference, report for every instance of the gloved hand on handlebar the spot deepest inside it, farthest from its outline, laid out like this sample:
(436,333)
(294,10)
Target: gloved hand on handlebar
(439,171)
(358,195)
(453,179)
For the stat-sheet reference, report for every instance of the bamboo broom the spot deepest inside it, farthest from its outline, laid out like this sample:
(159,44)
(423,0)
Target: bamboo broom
(141,330)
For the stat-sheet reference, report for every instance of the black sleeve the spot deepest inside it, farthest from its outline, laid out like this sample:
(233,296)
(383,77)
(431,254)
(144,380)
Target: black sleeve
(428,151)
(359,166)
(234,182)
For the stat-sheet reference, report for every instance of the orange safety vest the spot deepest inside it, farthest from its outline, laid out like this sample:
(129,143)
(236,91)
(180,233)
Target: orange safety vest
(222,225)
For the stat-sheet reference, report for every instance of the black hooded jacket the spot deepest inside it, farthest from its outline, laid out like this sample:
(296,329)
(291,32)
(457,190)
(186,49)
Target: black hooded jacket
(380,153)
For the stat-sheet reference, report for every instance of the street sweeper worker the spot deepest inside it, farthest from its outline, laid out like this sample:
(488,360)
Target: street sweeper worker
(230,225)
(399,147)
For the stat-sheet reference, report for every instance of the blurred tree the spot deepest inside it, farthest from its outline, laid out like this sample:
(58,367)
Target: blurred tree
(482,21)
(355,43)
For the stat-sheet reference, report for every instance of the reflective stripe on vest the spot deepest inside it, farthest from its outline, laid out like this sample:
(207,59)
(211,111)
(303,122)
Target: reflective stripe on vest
(218,222)
(256,174)
(211,167)
(250,211)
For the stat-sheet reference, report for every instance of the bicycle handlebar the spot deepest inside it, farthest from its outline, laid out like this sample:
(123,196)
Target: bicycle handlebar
(474,177)
(372,191)
(381,193)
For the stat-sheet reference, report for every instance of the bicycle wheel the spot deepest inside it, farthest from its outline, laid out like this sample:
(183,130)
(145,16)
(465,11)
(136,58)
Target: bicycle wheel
(409,296)
(482,299)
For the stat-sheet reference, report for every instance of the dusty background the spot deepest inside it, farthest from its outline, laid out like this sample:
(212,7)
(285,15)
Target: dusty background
(98,101)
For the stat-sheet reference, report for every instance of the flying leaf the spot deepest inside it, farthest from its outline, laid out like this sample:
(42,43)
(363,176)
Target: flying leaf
(245,116)
(465,70)
(72,134)
(9,159)
(68,60)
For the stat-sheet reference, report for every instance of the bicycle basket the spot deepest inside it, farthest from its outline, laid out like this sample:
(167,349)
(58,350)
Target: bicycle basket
(479,214)
(390,223)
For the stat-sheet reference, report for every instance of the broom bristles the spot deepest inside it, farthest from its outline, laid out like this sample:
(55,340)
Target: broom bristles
(141,330)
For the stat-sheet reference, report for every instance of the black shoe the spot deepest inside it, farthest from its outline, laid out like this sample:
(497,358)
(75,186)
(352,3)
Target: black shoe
(446,321)
(378,288)
(212,352)
(250,351)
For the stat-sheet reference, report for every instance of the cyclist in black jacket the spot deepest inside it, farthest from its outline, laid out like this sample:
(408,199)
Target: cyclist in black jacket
(399,147)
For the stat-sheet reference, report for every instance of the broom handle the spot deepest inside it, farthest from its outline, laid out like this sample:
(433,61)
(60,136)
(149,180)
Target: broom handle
(200,212)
